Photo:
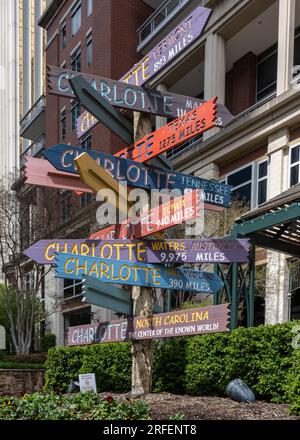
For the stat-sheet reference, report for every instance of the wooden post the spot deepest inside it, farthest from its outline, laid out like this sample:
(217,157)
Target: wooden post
(143,301)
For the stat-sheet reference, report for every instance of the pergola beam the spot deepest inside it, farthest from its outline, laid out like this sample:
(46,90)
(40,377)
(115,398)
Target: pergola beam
(282,216)
(285,247)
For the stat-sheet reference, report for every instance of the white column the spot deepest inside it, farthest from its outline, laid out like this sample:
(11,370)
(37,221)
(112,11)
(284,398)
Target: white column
(277,275)
(9,87)
(26,56)
(160,120)
(286,30)
(214,68)
(38,52)
(214,72)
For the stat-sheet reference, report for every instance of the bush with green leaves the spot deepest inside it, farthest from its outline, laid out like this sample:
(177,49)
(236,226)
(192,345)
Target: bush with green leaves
(81,406)
(261,356)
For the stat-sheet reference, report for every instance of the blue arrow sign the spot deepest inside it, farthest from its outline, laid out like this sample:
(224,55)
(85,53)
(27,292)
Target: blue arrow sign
(138,174)
(136,274)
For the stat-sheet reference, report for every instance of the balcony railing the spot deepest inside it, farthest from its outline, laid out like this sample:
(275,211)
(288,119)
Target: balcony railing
(33,150)
(30,116)
(159,19)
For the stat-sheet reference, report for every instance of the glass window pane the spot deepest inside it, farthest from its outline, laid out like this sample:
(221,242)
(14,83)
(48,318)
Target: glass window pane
(267,72)
(294,175)
(262,192)
(243,194)
(240,177)
(297,51)
(295,154)
(89,7)
(89,52)
(262,169)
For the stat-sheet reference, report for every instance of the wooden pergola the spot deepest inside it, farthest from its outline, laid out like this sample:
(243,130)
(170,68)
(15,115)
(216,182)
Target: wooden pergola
(273,225)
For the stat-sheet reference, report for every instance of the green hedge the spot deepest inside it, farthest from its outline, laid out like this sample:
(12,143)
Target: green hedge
(202,365)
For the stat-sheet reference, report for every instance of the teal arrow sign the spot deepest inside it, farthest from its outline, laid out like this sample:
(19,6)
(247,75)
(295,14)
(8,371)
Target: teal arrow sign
(136,274)
(109,296)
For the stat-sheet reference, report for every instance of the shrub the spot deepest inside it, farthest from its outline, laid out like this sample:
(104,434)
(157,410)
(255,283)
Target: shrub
(293,384)
(48,341)
(261,356)
(88,406)
(111,364)
(62,365)
(169,365)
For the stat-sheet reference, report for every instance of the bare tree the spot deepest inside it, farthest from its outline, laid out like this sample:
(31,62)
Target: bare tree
(22,221)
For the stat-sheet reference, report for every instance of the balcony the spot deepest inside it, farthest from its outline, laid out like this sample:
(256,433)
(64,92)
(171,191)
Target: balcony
(34,150)
(33,123)
(160,18)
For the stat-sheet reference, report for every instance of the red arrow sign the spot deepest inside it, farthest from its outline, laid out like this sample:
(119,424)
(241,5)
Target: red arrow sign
(173,134)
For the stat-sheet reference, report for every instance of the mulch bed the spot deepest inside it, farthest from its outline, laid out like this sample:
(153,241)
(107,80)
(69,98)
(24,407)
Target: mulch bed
(164,405)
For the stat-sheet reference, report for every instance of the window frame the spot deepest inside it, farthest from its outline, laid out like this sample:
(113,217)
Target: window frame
(63,40)
(89,41)
(75,9)
(63,115)
(260,179)
(75,104)
(290,165)
(74,57)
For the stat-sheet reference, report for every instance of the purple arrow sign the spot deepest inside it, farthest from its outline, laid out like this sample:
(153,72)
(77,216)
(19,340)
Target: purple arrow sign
(151,251)
(182,36)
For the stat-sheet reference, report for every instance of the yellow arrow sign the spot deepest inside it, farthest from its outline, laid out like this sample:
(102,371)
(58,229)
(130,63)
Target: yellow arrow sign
(98,178)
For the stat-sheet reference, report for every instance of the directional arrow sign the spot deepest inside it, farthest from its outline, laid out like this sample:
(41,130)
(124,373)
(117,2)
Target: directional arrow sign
(216,250)
(172,134)
(109,296)
(136,274)
(119,94)
(101,109)
(136,174)
(42,173)
(106,295)
(211,319)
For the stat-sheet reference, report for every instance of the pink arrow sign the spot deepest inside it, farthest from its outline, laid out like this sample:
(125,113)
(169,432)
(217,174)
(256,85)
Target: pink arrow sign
(40,172)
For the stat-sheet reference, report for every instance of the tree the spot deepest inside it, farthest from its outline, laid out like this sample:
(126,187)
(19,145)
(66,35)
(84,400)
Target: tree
(21,223)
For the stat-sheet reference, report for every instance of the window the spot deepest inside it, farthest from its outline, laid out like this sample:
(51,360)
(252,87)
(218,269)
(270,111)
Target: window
(76,60)
(72,288)
(266,73)
(63,125)
(76,19)
(262,179)
(75,113)
(242,182)
(64,36)
(87,142)
(249,183)
(294,165)
(65,205)
(85,200)
(89,7)
(89,50)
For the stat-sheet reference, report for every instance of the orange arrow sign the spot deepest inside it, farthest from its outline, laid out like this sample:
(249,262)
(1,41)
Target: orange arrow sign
(173,134)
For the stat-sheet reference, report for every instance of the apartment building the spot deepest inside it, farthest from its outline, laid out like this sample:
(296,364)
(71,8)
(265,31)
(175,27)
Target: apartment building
(248,56)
